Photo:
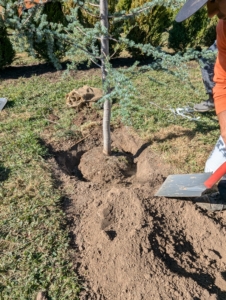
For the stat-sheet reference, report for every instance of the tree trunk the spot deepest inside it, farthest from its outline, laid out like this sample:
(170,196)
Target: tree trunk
(104,55)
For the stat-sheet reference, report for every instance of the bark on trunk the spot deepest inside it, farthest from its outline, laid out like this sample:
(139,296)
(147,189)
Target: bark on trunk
(104,55)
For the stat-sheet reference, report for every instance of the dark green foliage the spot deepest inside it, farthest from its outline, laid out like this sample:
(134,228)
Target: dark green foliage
(146,28)
(149,28)
(195,32)
(152,27)
(123,5)
(210,33)
(7,53)
(54,13)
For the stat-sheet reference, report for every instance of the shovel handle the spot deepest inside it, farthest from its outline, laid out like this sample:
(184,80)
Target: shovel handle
(221,171)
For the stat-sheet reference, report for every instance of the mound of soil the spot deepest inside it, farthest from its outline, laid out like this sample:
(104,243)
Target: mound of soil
(112,169)
(127,243)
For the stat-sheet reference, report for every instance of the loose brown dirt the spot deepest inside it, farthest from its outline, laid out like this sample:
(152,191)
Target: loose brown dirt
(128,244)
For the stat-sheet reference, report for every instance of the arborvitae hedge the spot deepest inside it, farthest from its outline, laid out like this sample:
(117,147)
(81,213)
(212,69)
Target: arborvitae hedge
(148,28)
(196,31)
(158,28)
(7,53)
(158,24)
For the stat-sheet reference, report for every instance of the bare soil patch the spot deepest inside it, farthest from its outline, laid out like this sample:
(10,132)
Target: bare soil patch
(128,244)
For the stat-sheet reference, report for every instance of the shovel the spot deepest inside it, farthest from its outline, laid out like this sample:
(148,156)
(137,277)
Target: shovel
(190,185)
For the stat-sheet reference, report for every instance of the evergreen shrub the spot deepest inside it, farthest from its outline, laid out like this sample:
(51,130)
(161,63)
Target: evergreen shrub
(54,14)
(195,32)
(7,53)
(148,28)
(156,27)
(210,33)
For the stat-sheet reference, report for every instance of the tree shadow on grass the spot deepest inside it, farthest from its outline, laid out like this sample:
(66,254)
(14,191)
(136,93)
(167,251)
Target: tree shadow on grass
(174,135)
(15,72)
(203,128)
(4,172)
(27,71)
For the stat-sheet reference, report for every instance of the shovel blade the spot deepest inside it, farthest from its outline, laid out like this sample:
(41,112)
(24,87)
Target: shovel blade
(183,185)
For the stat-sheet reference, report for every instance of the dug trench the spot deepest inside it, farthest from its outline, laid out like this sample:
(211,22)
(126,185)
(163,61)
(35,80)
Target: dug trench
(126,243)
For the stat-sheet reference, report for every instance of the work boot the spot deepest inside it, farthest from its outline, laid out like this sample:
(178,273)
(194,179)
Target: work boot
(211,202)
(206,105)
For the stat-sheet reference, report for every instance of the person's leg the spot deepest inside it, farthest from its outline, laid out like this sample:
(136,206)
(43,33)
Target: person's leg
(207,71)
(207,77)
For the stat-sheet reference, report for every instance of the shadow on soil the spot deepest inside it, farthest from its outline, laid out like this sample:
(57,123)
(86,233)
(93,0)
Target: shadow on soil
(202,278)
(223,274)
(141,149)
